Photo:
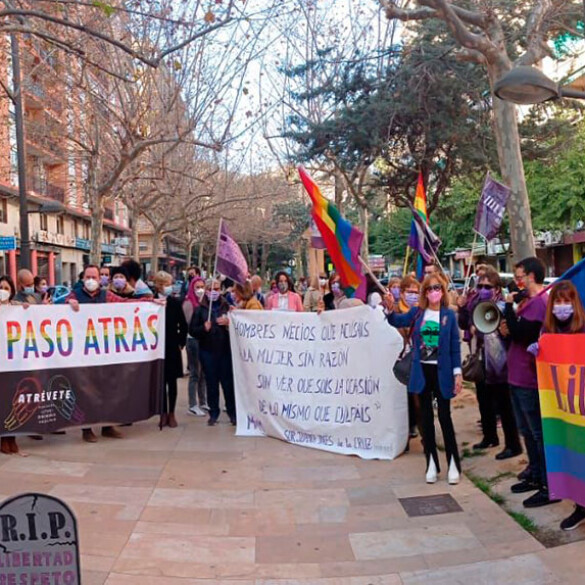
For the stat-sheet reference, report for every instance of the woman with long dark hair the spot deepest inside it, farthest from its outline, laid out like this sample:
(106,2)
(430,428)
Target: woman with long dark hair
(286,299)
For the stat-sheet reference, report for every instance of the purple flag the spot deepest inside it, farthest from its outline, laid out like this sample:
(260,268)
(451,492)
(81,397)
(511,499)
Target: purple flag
(230,260)
(491,208)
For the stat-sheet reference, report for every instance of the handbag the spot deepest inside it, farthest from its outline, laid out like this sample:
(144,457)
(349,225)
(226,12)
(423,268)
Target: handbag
(403,364)
(472,366)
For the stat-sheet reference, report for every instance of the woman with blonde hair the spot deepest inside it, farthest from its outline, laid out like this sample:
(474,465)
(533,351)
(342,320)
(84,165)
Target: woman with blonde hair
(436,368)
(313,295)
(175,340)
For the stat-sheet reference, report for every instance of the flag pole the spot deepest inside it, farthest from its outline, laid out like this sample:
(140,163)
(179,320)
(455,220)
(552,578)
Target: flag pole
(369,271)
(468,275)
(406,260)
(214,265)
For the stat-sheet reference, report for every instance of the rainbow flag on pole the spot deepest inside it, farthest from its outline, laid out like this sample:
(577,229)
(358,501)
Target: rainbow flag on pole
(343,241)
(561,382)
(416,239)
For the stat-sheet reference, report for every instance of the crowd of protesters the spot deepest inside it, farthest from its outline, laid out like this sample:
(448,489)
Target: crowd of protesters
(432,318)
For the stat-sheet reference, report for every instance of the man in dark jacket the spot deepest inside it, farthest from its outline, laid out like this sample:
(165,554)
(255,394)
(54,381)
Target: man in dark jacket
(210,327)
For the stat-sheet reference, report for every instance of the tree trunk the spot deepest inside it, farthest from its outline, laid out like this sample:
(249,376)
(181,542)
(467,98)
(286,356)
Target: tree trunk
(200,255)
(505,122)
(264,259)
(254,266)
(97,220)
(134,240)
(155,251)
(364,217)
(189,253)
(339,189)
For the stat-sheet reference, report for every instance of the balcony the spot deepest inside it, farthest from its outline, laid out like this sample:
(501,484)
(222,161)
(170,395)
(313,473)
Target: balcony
(45,137)
(46,189)
(109,214)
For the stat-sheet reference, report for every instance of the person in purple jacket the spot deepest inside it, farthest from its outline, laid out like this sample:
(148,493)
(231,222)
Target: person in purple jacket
(523,327)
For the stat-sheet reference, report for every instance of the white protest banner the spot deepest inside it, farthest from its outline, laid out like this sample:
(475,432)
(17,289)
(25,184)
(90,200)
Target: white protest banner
(60,368)
(322,381)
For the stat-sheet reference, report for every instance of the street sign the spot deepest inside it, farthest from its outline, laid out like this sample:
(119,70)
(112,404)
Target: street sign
(38,541)
(7,243)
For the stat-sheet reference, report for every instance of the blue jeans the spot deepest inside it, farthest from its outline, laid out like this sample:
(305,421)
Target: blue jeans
(197,390)
(527,412)
(218,368)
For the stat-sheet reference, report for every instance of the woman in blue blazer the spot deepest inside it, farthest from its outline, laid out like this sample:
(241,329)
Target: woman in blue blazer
(436,368)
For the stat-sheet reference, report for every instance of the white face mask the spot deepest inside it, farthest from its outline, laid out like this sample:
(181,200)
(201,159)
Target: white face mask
(4,295)
(199,292)
(91,284)
(322,282)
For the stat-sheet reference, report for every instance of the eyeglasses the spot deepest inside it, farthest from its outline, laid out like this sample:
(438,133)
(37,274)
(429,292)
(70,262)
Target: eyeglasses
(485,287)
(435,287)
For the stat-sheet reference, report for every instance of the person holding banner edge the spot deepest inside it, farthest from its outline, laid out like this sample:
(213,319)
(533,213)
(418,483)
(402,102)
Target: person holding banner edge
(564,315)
(436,369)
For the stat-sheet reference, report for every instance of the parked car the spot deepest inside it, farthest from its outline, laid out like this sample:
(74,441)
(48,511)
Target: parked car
(58,294)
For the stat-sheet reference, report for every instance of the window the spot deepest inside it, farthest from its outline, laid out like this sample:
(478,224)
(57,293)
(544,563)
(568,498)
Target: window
(3,211)
(60,224)
(44,222)
(75,225)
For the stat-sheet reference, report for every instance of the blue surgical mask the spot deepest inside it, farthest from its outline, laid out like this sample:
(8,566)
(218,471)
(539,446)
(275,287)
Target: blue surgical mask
(395,290)
(336,288)
(29,290)
(412,299)
(167,291)
(213,295)
(563,312)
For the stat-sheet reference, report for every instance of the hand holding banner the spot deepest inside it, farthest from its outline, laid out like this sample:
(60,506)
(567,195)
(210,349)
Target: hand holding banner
(491,208)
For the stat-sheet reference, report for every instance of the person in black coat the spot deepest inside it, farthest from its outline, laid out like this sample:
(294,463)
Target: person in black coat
(214,350)
(175,340)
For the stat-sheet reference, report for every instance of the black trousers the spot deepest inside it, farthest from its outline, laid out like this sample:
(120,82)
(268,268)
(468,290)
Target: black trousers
(217,367)
(494,400)
(169,395)
(428,419)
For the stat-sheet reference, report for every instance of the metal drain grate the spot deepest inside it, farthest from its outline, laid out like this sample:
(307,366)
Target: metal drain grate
(430,505)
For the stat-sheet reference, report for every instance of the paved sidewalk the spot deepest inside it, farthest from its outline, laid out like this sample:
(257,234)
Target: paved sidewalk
(196,505)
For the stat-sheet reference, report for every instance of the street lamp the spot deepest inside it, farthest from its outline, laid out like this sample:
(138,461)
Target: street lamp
(528,85)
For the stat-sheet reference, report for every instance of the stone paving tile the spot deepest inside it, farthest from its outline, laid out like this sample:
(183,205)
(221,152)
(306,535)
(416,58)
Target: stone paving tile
(374,567)
(373,580)
(186,498)
(523,570)
(120,579)
(93,577)
(413,541)
(304,548)
(568,562)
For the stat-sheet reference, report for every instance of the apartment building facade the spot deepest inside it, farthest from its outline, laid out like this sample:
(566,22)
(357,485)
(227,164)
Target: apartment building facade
(60,243)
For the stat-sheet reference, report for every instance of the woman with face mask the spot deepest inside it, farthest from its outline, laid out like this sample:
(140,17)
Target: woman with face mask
(42,289)
(210,326)
(493,394)
(8,444)
(565,315)
(197,388)
(286,299)
(436,369)
(336,294)
(119,284)
(313,295)
(175,339)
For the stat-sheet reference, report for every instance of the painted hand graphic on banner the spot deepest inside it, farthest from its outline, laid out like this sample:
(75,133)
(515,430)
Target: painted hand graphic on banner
(22,409)
(66,406)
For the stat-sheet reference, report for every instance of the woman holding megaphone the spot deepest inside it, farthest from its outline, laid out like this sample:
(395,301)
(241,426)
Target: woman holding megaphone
(436,368)
(493,392)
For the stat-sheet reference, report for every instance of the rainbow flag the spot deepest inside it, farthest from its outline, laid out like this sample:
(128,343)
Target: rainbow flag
(561,381)
(416,240)
(342,240)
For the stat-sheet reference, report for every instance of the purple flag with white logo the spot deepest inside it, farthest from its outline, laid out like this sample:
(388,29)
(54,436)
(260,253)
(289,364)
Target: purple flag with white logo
(491,208)
(230,260)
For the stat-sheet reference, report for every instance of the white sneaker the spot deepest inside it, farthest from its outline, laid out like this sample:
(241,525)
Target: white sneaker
(453,476)
(196,411)
(431,476)
(204,407)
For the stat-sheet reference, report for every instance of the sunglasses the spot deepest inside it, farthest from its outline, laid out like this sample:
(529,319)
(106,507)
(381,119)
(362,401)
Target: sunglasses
(435,287)
(485,287)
